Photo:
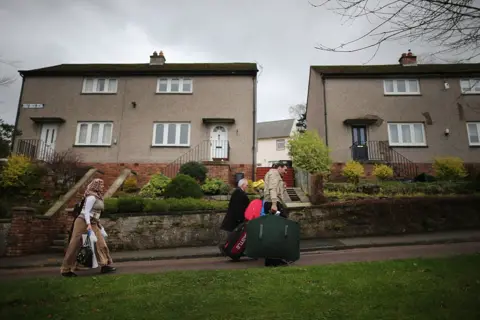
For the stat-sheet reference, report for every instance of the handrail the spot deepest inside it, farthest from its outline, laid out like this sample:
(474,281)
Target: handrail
(207,150)
(381,151)
(36,149)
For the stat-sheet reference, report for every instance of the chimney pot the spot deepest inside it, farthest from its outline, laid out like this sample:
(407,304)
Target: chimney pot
(408,59)
(157,58)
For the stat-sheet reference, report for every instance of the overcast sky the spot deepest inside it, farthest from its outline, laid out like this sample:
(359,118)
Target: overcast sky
(280,35)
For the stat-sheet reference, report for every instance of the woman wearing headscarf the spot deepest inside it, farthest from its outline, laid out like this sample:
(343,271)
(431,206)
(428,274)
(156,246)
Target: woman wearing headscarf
(88,220)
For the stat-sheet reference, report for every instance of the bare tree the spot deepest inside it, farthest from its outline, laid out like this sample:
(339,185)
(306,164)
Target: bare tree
(297,111)
(450,26)
(6,80)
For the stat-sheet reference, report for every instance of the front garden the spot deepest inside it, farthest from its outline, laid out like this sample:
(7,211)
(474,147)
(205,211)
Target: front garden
(26,182)
(190,190)
(450,178)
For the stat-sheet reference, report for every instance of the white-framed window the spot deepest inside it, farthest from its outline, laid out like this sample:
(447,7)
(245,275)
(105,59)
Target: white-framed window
(174,85)
(94,134)
(171,134)
(401,86)
(470,86)
(280,144)
(473,131)
(406,134)
(99,85)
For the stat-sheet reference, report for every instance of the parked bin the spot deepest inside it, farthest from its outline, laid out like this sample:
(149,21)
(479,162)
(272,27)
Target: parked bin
(239,176)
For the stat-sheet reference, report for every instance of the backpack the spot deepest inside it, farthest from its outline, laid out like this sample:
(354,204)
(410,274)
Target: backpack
(77,209)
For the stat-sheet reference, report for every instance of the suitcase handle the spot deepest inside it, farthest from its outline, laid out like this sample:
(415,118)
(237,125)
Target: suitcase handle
(286,231)
(260,234)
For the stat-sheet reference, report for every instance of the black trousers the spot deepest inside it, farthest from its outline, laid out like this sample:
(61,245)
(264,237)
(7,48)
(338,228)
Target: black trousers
(269,262)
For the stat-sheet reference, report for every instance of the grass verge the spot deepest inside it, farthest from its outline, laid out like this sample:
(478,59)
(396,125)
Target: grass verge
(446,288)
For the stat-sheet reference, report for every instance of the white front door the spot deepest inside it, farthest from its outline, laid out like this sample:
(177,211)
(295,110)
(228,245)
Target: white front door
(48,137)
(219,142)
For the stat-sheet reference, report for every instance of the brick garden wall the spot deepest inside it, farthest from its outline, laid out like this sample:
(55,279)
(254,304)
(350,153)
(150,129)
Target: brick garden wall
(5,225)
(30,233)
(144,171)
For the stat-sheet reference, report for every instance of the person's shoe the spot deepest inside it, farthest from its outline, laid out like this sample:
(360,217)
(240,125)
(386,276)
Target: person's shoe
(69,274)
(108,269)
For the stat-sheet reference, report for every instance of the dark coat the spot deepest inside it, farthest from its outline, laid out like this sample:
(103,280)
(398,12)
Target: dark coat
(236,210)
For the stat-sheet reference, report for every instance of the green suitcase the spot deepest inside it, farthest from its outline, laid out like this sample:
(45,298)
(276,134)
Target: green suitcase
(274,237)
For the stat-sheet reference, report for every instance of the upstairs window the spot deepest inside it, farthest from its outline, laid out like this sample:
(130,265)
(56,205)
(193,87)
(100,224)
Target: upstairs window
(99,85)
(280,144)
(401,86)
(174,85)
(470,86)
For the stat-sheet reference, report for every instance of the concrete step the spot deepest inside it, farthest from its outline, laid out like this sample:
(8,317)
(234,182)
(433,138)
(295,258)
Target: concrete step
(58,249)
(59,243)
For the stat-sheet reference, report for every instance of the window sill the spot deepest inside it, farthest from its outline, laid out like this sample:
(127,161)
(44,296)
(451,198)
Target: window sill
(174,93)
(470,93)
(401,94)
(92,145)
(407,146)
(474,146)
(155,146)
(99,93)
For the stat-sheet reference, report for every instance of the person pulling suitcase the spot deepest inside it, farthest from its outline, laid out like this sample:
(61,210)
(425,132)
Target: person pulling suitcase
(273,200)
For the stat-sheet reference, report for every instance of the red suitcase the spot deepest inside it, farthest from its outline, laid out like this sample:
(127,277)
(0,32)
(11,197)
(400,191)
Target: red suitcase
(236,243)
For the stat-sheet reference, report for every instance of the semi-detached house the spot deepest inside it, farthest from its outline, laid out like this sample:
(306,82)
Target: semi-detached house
(148,117)
(404,115)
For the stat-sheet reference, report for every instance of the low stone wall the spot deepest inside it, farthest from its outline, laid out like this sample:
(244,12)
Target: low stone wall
(5,225)
(360,218)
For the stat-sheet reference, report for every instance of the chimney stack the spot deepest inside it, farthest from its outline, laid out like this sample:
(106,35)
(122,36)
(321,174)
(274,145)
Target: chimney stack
(408,59)
(157,58)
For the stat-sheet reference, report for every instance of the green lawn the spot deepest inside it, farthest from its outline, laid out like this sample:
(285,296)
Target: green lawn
(411,289)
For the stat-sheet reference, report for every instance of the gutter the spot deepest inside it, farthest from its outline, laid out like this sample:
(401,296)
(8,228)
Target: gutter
(18,112)
(254,116)
(325,109)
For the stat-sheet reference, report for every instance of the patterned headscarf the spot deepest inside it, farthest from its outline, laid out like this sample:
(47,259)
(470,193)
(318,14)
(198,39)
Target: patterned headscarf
(95,188)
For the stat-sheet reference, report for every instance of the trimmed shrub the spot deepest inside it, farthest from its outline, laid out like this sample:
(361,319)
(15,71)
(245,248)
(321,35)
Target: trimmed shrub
(382,172)
(215,187)
(194,169)
(130,204)
(183,186)
(130,184)
(353,171)
(449,168)
(13,173)
(111,205)
(155,187)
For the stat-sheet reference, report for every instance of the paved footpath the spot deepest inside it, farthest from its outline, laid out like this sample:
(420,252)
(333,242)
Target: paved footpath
(307,259)
(55,260)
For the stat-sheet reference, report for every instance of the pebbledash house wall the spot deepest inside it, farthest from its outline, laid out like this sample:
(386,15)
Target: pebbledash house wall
(230,97)
(359,97)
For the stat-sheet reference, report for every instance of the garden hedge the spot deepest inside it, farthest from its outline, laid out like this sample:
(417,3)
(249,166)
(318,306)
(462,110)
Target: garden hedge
(137,204)
(403,188)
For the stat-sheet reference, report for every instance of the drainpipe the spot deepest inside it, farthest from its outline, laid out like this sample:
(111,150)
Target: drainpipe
(18,113)
(254,116)
(325,110)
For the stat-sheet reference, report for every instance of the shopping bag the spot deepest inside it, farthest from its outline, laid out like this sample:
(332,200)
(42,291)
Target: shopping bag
(86,256)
